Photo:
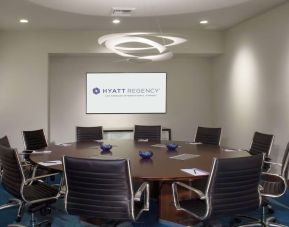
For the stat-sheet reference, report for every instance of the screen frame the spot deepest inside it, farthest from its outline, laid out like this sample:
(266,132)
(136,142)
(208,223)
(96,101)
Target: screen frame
(120,73)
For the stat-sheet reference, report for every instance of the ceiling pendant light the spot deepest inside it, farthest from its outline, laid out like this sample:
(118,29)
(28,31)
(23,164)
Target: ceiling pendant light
(23,21)
(204,22)
(141,46)
(116,21)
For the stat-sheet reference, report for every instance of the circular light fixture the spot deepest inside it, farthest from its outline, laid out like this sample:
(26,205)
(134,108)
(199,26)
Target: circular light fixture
(204,22)
(132,45)
(116,21)
(23,21)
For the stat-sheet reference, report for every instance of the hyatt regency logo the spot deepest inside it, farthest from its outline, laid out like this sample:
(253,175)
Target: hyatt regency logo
(96,91)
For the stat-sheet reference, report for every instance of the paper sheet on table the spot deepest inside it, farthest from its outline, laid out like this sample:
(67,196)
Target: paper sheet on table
(195,143)
(94,147)
(143,140)
(50,163)
(185,156)
(65,144)
(162,145)
(40,152)
(159,145)
(196,172)
(230,150)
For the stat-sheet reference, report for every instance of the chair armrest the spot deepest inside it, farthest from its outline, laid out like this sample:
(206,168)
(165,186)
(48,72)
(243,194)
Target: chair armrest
(144,186)
(27,164)
(29,180)
(197,191)
(276,176)
(233,149)
(26,152)
(273,163)
(175,185)
(142,190)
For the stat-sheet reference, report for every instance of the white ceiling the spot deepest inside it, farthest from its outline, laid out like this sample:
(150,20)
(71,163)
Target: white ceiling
(148,15)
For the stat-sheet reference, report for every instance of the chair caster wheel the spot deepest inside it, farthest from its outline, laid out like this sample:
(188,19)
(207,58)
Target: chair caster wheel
(270,211)
(45,211)
(18,219)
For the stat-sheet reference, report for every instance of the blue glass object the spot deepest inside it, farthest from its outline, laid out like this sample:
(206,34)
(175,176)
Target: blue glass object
(172,146)
(105,147)
(146,154)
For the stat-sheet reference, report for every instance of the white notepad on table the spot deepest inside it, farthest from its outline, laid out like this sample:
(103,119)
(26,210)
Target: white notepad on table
(65,144)
(230,150)
(159,145)
(195,172)
(185,156)
(143,140)
(50,163)
(162,145)
(196,143)
(40,152)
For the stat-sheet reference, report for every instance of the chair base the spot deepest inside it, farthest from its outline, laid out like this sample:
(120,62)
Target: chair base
(11,203)
(271,221)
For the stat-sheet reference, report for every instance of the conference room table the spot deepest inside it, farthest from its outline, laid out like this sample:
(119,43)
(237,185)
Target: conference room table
(163,167)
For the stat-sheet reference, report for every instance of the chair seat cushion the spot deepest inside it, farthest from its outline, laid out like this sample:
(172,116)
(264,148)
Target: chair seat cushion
(39,190)
(272,185)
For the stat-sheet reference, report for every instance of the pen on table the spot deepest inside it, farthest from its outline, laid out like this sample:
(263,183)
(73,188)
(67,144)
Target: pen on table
(195,172)
(51,161)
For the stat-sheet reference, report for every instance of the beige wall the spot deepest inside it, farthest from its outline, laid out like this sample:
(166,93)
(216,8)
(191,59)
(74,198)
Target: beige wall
(24,71)
(188,95)
(251,81)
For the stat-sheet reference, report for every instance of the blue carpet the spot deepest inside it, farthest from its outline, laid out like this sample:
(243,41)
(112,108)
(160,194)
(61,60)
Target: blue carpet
(61,219)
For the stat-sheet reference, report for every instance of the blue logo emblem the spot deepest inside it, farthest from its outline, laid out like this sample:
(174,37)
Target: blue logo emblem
(96,91)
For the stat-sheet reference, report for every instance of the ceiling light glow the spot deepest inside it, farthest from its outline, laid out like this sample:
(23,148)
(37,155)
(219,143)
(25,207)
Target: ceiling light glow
(204,22)
(23,21)
(130,45)
(116,21)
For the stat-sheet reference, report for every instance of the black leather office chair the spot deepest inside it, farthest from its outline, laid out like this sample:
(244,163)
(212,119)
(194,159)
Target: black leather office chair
(34,140)
(84,134)
(261,143)
(102,189)
(274,185)
(32,193)
(232,189)
(4,141)
(208,135)
(147,132)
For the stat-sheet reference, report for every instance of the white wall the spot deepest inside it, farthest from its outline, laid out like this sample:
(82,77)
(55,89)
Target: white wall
(251,81)
(188,95)
(24,71)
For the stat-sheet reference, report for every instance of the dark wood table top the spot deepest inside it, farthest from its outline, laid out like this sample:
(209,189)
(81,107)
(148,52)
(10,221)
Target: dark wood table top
(159,167)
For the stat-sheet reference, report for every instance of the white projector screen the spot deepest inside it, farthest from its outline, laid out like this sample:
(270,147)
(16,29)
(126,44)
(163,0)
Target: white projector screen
(126,93)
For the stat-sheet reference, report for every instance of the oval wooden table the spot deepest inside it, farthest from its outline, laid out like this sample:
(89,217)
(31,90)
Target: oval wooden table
(160,168)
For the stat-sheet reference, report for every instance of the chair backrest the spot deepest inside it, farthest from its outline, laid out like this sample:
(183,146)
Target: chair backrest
(208,135)
(150,132)
(261,143)
(12,175)
(88,133)
(98,188)
(34,140)
(5,142)
(285,163)
(233,185)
